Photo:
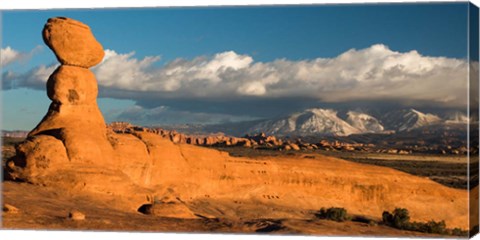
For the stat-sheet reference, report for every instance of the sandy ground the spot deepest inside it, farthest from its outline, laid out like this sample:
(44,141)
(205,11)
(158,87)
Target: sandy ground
(47,209)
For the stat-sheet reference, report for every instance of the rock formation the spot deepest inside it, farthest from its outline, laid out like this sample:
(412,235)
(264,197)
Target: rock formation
(59,150)
(73,91)
(142,169)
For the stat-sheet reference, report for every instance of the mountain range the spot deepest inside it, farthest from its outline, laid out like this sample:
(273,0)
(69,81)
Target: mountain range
(318,121)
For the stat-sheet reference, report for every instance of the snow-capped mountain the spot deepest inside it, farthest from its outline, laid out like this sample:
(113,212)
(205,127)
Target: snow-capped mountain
(408,119)
(317,121)
(313,121)
(364,122)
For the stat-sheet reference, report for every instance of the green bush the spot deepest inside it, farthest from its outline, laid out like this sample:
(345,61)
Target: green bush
(334,214)
(458,232)
(400,219)
(435,227)
(387,218)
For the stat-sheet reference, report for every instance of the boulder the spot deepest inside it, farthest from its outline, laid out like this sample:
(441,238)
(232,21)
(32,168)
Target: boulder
(294,146)
(72,85)
(72,42)
(76,215)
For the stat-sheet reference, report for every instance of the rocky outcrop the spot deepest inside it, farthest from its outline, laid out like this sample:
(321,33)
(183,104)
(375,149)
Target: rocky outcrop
(263,141)
(60,151)
(60,138)
(217,140)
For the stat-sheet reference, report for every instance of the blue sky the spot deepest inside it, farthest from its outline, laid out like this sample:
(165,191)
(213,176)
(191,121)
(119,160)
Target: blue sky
(251,51)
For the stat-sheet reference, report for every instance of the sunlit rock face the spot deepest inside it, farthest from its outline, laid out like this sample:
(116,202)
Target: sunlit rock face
(72,42)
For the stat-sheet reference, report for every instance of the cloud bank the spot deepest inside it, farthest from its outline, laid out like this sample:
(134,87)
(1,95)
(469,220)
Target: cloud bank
(373,73)
(36,78)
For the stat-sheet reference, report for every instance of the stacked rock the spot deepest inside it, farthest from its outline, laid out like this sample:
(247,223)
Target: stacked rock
(73,130)
(74,116)
(71,147)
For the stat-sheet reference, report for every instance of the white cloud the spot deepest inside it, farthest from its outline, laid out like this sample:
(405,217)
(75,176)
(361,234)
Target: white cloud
(374,73)
(122,70)
(9,55)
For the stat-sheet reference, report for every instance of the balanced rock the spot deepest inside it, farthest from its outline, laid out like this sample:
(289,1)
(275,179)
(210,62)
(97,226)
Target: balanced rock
(73,90)
(71,148)
(76,215)
(72,42)
(73,131)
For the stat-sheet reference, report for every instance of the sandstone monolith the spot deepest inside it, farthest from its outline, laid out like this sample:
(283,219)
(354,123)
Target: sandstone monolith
(74,116)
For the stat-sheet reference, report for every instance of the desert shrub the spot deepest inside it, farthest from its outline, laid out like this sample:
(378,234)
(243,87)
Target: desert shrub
(399,219)
(428,227)
(459,232)
(387,218)
(334,214)
(434,227)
